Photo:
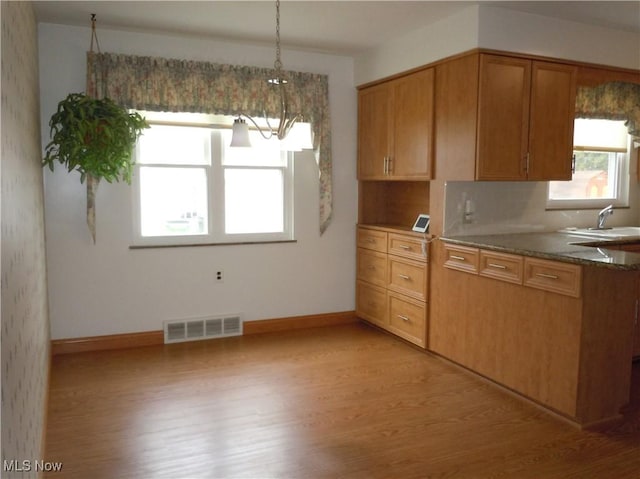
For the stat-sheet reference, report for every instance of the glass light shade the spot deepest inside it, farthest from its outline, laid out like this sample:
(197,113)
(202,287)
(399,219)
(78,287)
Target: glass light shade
(300,137)
(240,133)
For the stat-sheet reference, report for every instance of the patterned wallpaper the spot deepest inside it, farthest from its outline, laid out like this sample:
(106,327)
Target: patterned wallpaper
(24,333)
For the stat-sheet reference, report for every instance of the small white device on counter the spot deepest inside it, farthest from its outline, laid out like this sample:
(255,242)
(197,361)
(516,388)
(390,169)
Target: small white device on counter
(422,224)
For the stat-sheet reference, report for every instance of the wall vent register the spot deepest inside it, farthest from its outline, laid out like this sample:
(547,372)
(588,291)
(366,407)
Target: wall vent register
(176,331)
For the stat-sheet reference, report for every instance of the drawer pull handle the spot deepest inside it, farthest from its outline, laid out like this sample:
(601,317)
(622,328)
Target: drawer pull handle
(370,240)
(405,247)
(496,265)
(459,258)
(404,276)
(548,276)
(404,318)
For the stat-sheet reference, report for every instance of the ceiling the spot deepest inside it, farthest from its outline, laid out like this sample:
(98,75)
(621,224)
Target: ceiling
(341,27)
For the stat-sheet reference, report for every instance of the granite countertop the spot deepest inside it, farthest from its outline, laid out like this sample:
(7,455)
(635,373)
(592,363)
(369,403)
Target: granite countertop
(565,247)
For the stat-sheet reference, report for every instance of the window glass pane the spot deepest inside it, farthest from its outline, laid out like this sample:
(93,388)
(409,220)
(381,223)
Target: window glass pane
(254,201)
(262,152)
(163,145)
(594,177)
(173,201)
(601,163)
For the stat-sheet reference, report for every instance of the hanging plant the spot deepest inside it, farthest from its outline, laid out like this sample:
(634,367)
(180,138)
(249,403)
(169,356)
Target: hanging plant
(94,137)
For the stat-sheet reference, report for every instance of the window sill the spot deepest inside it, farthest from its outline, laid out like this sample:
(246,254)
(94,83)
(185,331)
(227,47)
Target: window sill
(592,206)
(189,245)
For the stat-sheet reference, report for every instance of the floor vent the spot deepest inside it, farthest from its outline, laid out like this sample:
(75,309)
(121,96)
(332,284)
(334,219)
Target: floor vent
(176,331)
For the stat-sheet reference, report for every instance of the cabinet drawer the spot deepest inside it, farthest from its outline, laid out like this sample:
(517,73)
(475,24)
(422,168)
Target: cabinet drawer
(408,318)
(461,258)
(371,302)
(407,246)
(505,267)
(407,276)
(553,276)
(372,267)
(372,239)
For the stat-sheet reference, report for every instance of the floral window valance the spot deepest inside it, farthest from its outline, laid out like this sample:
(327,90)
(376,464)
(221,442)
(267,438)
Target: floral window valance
(160,84)
(611,101)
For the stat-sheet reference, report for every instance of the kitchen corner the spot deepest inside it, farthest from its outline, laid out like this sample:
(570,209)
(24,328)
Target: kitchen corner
(543,314)
(549,315)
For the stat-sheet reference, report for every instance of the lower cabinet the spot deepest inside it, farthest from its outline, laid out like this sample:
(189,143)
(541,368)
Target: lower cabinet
(392,282)
(371,303)
(407,318)
(557,333)
(633,248)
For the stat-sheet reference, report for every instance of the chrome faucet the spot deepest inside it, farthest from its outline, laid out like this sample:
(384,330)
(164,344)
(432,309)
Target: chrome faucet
(602,217)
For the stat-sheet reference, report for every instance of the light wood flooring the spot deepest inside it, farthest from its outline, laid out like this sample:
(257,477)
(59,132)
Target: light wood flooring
(337,402)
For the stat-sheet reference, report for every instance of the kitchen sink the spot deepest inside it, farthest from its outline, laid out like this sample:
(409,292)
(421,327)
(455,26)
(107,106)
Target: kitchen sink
(616,232)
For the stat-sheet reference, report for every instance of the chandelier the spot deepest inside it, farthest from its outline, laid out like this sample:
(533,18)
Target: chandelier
(296,133)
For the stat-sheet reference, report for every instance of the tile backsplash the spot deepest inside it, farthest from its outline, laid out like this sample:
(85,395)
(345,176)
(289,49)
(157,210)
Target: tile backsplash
(484,207)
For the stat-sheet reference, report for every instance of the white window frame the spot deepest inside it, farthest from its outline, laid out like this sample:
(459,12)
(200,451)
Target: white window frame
(621,198)
(215,199)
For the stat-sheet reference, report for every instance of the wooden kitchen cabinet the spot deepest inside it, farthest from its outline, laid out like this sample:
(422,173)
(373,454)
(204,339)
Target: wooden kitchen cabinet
(504,118)
(392,282)
(636,326)
(395,128)
(371,303)
(632,248)
(555,332)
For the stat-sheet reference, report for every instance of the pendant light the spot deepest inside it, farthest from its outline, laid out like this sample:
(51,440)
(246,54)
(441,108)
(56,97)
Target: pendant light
(288,122)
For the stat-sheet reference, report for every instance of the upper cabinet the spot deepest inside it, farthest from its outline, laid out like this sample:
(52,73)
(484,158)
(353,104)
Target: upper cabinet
(504,118)
(395,128)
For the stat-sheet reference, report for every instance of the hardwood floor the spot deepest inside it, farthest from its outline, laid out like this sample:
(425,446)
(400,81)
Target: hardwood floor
(338,402)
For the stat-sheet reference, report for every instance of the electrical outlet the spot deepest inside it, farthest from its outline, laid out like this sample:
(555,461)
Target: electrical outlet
(219,276)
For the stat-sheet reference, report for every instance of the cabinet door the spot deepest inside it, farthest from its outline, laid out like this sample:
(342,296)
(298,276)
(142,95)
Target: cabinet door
(372,239)
(413,126)
(371,303)
(372,267)
(407,276)
(407,318)
(636,326)
(503,118)
(374,111)
(553,100)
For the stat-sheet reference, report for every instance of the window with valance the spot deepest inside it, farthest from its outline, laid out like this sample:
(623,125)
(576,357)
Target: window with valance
(605,115)
(172,85)
(611,101)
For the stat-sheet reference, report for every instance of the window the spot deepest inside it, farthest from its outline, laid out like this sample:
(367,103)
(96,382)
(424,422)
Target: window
(191,187)
(601,167)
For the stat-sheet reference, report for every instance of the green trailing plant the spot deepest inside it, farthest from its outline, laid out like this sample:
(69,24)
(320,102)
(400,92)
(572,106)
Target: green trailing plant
(95,137)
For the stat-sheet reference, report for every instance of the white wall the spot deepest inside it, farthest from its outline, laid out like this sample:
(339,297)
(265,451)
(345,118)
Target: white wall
(505,29)
(108,288)
(498,28)
(25,341)
(455,34)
